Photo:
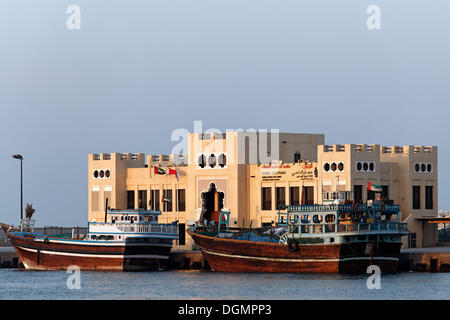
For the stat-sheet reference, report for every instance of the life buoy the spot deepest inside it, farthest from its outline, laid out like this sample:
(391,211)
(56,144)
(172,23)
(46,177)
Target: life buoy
(292,245)
(357,207)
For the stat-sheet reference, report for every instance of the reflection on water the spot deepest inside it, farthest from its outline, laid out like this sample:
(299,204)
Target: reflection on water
(16,284)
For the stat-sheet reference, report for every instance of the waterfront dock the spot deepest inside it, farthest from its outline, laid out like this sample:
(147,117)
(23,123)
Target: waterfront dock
(187,259)
(429,259)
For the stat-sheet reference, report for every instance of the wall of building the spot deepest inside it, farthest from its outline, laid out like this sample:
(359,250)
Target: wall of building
(230,164)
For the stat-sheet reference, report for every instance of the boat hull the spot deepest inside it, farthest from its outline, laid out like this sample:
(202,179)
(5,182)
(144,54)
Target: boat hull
(230,255)
(59,254)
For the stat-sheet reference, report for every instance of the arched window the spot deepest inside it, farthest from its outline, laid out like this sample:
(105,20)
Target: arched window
(317,218)
(202,161)
(333,166)
(212,161)
(222,160)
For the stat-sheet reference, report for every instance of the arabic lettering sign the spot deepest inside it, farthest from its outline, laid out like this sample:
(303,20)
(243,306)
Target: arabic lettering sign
(300,171)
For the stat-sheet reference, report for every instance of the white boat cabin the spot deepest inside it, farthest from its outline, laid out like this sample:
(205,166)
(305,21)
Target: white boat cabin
(139,225)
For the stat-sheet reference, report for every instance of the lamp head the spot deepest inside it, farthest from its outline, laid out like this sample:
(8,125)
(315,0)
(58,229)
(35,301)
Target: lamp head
(17,156)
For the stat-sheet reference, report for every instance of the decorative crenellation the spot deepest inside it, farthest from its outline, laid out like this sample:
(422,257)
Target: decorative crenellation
(212,136)
(178,159)
(405,149)
(121,156)
(366,147)
(334,148)
(348,147)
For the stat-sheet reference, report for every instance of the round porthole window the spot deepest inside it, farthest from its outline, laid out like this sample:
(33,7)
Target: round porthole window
(333,166)
(326,167)
(416,167)
(422,167)
(429,167)
(372,166)
(102,174)
(341,166)
(95,174)
(107,173)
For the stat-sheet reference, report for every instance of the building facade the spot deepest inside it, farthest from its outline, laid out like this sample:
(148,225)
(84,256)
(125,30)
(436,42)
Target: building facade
(250,174)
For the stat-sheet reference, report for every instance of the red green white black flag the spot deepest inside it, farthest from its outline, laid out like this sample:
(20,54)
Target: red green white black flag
(374,187)
(158,170)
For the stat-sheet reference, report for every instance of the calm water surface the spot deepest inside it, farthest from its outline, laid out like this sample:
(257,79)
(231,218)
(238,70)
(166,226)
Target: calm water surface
(16,284)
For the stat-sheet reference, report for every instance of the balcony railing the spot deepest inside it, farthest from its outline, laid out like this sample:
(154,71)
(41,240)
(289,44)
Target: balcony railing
(360,227)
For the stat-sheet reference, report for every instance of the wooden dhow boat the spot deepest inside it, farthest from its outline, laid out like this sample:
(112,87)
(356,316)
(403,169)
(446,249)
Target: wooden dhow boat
(330,238)
(128,240)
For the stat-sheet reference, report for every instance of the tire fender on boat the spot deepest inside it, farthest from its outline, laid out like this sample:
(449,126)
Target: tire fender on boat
(292,245)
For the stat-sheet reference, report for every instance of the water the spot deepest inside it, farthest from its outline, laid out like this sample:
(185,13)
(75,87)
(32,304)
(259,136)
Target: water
(15,284)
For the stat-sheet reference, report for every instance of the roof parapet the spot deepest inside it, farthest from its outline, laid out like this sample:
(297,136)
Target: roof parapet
(366,147)
(406,149)
(178,159)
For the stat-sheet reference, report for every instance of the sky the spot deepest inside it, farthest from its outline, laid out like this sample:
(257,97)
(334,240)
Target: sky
(136,71)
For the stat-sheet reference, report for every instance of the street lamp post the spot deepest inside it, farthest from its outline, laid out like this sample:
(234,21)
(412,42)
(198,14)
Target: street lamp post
(19,157)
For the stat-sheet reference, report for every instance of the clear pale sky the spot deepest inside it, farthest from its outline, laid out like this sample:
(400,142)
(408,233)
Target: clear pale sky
(137,70)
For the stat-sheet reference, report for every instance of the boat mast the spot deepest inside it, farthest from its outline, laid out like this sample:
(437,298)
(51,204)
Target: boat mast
(106,209)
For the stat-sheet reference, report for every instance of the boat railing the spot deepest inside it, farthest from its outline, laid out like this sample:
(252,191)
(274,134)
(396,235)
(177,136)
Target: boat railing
(135,228)
(390,208)
(358,227)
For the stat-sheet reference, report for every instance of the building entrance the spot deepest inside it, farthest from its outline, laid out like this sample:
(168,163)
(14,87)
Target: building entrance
(212,203)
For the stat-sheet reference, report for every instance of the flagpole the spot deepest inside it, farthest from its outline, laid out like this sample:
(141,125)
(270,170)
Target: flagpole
(165,192)
(153,190)
(176,191)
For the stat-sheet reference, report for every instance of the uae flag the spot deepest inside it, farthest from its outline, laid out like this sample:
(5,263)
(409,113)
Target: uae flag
(175,172)
(165,199)
(159,170)
(373,187)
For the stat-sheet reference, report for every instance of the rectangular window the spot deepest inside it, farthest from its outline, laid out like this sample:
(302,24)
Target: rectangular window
(385,192)
(181,198)
(357,192)
(95,201)
(308,195)
(416,197)
(266,198)
(142,199)
(297,157)
(130,199)
(294,196)
(428,197)
(167,205)
(155,199)
(280,196)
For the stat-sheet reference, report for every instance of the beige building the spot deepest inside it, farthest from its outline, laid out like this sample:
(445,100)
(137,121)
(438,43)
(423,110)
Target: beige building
(251,173)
